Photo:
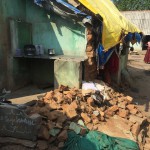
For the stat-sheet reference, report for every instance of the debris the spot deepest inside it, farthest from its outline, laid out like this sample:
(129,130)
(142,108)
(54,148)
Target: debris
(54,131)
(66,109)
(85,117)
(43,133)
(62,136)
(42,145)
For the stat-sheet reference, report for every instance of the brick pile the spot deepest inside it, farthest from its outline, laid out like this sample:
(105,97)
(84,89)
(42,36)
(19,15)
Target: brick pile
(67,109)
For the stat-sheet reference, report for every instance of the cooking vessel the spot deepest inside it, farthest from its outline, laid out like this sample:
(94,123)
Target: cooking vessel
(51,52)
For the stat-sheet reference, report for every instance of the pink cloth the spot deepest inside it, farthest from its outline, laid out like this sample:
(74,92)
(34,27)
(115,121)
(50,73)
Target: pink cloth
(147,55)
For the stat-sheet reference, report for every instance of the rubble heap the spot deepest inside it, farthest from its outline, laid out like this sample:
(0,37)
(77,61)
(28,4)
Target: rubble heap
(70,109)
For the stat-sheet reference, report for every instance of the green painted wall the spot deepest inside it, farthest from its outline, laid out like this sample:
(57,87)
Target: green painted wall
(13,73)
(52,31)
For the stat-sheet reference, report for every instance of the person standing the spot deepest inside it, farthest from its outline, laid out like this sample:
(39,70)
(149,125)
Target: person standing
(147,55)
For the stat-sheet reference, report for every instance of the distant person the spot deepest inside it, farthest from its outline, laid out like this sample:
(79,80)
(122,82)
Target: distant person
(147,55)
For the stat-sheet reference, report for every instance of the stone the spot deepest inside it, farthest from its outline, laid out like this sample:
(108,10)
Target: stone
(121,99)
(74,105)
(59,125)
(111,110)
(81,123)
(87,92)
(43,111)
(59,96)
(147,146)
(53,148)
(102,118)
(17,124)
(37,118)
(113,102)
(90,126)
(43,133)
(63,136)
(42,145)
(102,114)
(15,141)
(53,104)
(52,139)
(62,118)
(131,106)
(54,131)
(129,99)
(139,115)
(70,111)
(63,88)
(123,113)
(134,111)
(147,140)
(96,113)
(85,117)
(41,103)
(122,104)
(135,119)
(53,115)
(141,136)
(76,128)
(50,125)
(95,121)
(49,95)
(135,129)
(83,131)
(61,145)
(90,102)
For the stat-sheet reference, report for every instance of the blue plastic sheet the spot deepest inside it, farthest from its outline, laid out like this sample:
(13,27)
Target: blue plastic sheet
(103,55)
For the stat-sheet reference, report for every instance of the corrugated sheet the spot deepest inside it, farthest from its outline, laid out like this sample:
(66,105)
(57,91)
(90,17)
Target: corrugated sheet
(140,18)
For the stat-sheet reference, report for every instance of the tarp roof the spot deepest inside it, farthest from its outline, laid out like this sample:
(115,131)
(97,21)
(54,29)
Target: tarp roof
(114,23)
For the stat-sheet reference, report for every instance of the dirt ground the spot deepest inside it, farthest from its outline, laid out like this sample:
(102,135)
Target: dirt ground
(140,73)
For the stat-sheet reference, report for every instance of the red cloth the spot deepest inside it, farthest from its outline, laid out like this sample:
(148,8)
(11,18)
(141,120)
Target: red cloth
(147,55)
(114,63)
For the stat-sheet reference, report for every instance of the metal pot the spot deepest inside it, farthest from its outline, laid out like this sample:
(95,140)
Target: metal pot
(51,52)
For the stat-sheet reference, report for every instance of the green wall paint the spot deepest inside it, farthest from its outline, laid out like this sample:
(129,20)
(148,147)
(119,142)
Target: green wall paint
(48,29)
(9,10)
(52,31)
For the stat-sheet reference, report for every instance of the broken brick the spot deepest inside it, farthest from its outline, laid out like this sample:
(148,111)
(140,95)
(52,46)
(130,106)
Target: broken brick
(135,129)
(42,145)
(41,103)
(43,133)
(62,136)
(123,113)
(122,104)
(134,111)
(90,101)
(129,99)
(61,145)
(74,104)
(111,110)
(70,111)
(59,96)
(53,105)
(90,126)
(49,95)
(131,106)
(85,117)
(53,115)
(135,119)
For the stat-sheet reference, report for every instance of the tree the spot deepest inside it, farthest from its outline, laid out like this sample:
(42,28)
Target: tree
(124,5)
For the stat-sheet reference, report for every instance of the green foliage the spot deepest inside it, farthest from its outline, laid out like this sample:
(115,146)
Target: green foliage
(124,5)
